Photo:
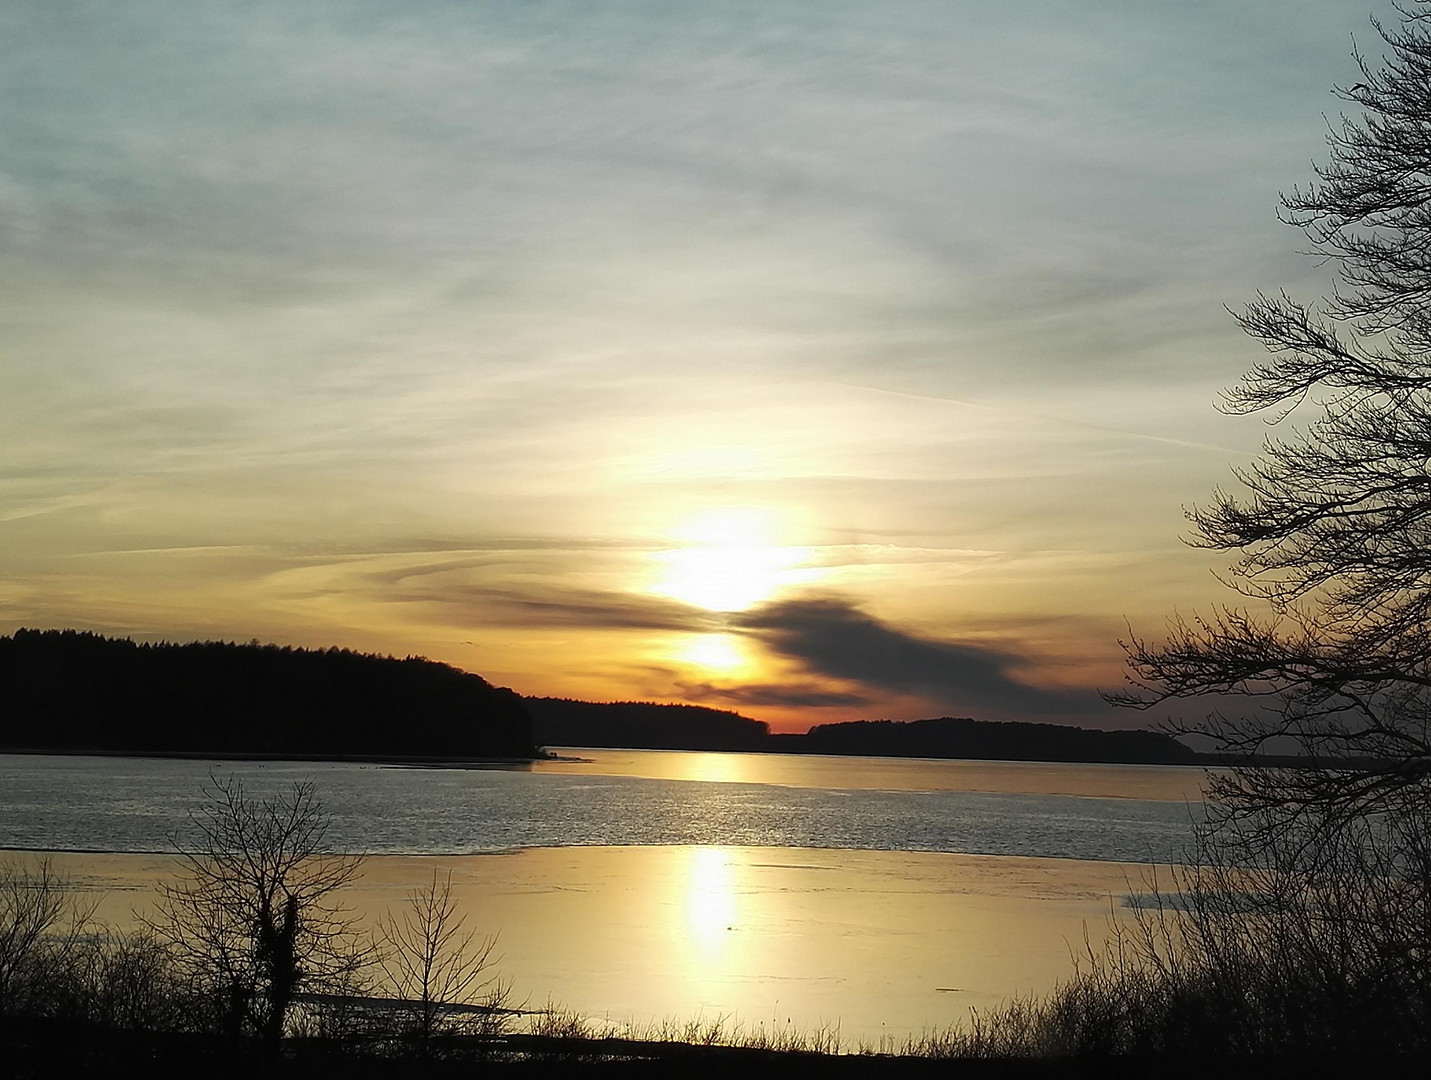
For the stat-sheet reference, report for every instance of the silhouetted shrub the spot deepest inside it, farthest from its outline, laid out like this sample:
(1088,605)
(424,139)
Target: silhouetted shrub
(1320,948)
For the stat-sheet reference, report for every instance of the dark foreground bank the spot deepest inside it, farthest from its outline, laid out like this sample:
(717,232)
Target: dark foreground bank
(32,1051)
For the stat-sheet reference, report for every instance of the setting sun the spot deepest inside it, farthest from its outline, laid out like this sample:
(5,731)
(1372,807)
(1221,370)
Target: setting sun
(730,558)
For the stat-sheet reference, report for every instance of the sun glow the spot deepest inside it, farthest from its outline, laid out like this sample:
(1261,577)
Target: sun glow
(729,560)
(713,652)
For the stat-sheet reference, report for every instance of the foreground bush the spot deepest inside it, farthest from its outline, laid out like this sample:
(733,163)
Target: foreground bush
(45,939)
(1321,946)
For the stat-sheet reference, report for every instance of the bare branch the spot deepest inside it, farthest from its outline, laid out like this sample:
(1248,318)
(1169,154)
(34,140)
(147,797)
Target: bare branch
(256,913)
(1330,528)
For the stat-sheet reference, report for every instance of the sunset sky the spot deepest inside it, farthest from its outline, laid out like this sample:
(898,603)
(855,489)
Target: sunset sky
(816,360)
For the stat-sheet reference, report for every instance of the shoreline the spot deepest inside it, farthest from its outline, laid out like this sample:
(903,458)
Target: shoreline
(416,760)
(1202,762)
(435,761)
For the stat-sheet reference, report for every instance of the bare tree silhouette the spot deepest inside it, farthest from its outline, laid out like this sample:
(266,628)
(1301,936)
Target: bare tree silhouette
(256,914)
(441,970)
(1331,531)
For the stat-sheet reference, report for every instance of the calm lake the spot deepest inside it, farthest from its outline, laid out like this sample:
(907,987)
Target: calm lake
(1122,813)
(879,896)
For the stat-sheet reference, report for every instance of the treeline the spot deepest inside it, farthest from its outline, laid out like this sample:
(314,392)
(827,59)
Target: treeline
(961,737)
(72,691)
(649,726)
(643,725)
(66,690)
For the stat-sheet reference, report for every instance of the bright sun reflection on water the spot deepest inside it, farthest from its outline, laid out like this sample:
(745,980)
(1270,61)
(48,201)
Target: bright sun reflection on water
(710,901)
(713,767)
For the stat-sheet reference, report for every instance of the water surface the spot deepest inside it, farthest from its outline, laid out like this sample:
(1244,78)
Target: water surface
(631,798)
(882,896)
(877,944)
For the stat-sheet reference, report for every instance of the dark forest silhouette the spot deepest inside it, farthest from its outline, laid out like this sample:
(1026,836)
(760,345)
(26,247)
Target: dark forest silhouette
(643,725)
(70,691)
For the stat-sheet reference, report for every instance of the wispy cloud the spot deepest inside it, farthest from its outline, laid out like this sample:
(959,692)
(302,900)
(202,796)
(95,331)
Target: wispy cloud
(545,606)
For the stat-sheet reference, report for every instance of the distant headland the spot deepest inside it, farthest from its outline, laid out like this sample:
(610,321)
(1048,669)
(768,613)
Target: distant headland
(74,692)
(70,691)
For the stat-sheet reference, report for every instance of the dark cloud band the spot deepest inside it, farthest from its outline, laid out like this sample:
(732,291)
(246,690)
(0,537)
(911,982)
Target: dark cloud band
(832,637)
